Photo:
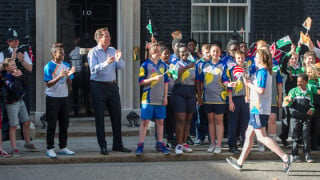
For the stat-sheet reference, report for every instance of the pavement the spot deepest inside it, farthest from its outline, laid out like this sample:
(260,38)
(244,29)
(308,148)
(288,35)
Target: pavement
(87,151)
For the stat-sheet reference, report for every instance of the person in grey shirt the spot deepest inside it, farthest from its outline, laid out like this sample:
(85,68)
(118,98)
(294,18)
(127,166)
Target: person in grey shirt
(104,62)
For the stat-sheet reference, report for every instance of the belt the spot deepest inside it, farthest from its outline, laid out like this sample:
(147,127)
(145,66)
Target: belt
(105,82)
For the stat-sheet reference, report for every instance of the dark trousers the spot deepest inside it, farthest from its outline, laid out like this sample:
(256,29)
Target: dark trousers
(285,125)
(169,123)
(315,128)
(57,109)
(106,94)
(298,128)
(76,82)
(202,123)
(238,120)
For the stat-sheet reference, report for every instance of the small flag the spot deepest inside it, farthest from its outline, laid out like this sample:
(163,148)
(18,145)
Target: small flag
(191,58)
(307,23)
(176,35)
(318,43)
(252,53)
(31,53)
(173,70)
(304,39)
(284,41)
(149,27)
(277,55)
(273,49)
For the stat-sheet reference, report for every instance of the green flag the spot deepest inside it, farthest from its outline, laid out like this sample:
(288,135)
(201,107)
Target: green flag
(149,27)
(284,41)
(173,70)
(191,58)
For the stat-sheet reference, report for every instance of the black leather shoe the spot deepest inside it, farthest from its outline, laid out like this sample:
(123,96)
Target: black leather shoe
(104,151)
(234,150)
(121,149)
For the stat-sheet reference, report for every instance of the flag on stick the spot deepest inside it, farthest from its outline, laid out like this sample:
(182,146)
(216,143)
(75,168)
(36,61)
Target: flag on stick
(149,27)
(173,70)
(284,41)
(176,35)
(307,23)
(304,39)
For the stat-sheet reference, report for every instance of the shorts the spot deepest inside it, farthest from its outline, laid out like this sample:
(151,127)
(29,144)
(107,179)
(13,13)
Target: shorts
(17,112)
(150,111)
(258,121)
(274,109)
(183,98)
(216,108)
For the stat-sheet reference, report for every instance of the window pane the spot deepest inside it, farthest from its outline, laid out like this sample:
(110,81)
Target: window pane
(219,1)
(222,37)
(238,1)
(199,18)
(218,18)
(201,38)
(200,1)
(237,18)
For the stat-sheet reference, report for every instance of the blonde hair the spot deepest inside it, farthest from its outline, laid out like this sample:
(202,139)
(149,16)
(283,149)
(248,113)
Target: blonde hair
(261,43)
(7,61)
(266,58)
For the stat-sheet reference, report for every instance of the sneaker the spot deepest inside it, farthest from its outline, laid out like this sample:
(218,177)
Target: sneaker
(211,148)
(234,150)
(190,141)
(261,147)
(171,143)
(179,149)
(296,158)
(186,148)
(139,150)
(15,153)
(198,142)
(308,158)
(287,165)
(285,143)
(233,162)
(217,150)
(161,147)
(4,154)
(51,154)
(30,147)
(66,151)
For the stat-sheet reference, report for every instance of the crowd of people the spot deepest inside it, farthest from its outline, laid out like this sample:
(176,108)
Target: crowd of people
(204,93)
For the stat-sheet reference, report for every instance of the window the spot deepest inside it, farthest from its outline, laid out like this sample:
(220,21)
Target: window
(218,19)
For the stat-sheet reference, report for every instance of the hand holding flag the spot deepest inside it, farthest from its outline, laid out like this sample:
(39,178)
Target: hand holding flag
(173,70)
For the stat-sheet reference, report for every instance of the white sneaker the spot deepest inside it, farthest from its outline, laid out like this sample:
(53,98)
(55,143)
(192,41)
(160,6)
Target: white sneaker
(211,148)
(186,148)
(66,151)
(179,149)
(217,150)
(261,147)
(51,153)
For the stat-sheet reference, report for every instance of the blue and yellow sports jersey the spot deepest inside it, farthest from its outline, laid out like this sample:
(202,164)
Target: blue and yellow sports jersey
(188,76)
(213,76)
(51,71)
(153,93)
(229,61)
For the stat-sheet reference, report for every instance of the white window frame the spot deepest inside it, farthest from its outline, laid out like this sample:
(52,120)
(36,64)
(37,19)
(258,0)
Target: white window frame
(247,6)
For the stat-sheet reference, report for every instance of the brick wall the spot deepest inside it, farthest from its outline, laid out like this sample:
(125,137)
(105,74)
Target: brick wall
(167,16)
(273,19)
(13,14)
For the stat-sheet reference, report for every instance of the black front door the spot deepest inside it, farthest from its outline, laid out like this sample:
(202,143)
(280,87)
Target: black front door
(77,20)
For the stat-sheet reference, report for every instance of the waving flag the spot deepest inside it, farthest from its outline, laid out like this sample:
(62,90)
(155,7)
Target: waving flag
(273,49)
(173,70)
(277,55)
(176,35)
(149,27)
(284,41)
(304,39)
(307,23)
(252,52)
